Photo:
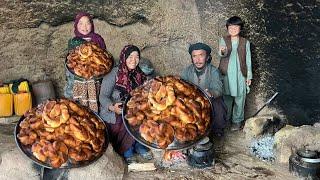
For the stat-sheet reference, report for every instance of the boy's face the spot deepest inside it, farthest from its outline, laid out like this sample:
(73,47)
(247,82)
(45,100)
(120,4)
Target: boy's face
(234,30)
(84,25)
(199,58)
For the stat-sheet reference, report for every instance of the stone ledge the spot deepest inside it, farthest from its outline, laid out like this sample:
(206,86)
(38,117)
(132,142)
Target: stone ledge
(9,120)
(257,126)
(289,139)
(15,165)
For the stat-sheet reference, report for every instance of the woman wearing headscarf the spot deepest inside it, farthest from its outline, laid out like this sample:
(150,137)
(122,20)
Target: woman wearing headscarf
(115,87)
(84,31)
(77,89)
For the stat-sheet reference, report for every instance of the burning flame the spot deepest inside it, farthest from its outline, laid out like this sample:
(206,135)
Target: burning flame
(173,155)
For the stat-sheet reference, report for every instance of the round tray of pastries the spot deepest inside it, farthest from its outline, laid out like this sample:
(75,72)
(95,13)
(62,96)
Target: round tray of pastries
(61,134)
(168,113)
(89,61)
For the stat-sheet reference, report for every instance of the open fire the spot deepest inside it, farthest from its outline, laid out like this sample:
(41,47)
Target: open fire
(173,155)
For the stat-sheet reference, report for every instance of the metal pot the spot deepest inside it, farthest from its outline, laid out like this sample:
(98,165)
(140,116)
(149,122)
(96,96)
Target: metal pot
(306,153)
(201,156)
(305,164)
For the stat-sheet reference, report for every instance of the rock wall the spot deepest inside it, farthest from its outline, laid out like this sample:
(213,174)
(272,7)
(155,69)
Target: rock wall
(34,39)
(290,139)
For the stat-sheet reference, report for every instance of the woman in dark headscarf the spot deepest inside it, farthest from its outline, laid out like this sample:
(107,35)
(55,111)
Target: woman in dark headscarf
(83,31)
(115,87)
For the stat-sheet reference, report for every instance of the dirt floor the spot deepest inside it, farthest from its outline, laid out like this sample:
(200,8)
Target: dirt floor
(232,162)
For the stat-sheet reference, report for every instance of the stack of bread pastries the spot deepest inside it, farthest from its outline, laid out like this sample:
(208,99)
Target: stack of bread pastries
(168,108)
(88,61)
(59,130)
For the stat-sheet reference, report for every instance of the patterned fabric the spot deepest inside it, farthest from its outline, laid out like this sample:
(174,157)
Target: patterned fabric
(86,93)
(127,80)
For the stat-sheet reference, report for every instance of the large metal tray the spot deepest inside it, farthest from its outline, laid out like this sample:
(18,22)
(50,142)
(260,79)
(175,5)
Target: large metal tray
(175,145)
(26,150)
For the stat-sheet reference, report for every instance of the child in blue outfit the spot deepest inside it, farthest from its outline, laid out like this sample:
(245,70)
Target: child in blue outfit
(235,66)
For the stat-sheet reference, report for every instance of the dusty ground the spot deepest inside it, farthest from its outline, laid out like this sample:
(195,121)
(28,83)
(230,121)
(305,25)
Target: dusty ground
(232,162)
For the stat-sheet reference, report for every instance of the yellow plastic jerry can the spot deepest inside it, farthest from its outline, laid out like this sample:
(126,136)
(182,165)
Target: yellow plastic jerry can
(5,89)
(23,87)
(22,103)
(6,105)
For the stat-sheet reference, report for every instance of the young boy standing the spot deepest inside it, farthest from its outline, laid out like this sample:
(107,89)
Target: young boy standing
(235,66)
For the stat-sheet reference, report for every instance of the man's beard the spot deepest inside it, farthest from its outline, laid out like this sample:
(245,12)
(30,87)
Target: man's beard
(199,69)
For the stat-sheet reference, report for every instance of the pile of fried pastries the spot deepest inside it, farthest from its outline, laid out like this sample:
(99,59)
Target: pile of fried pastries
(168,108)
(60,129)
(88,61)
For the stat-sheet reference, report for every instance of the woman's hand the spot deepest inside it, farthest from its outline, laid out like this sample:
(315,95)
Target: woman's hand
(208,93)
(88,39)
(116,108)
(248,82)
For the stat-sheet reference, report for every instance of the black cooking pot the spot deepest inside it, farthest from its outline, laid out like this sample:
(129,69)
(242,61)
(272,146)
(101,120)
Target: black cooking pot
(304,153)
(201,157)
(305,163)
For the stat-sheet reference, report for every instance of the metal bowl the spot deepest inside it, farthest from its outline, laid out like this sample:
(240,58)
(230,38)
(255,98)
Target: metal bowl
(26,150)
(175,145)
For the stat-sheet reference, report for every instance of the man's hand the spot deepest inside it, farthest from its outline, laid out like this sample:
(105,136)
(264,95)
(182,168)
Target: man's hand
(248,82)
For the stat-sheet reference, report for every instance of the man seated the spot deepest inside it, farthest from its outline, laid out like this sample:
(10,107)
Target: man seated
(202,73)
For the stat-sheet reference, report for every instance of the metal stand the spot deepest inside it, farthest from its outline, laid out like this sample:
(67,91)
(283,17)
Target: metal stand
(53,174)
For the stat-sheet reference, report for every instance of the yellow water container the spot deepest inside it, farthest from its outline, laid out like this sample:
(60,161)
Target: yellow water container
(5,89)
(23,87)
(6,105)
(22,103)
